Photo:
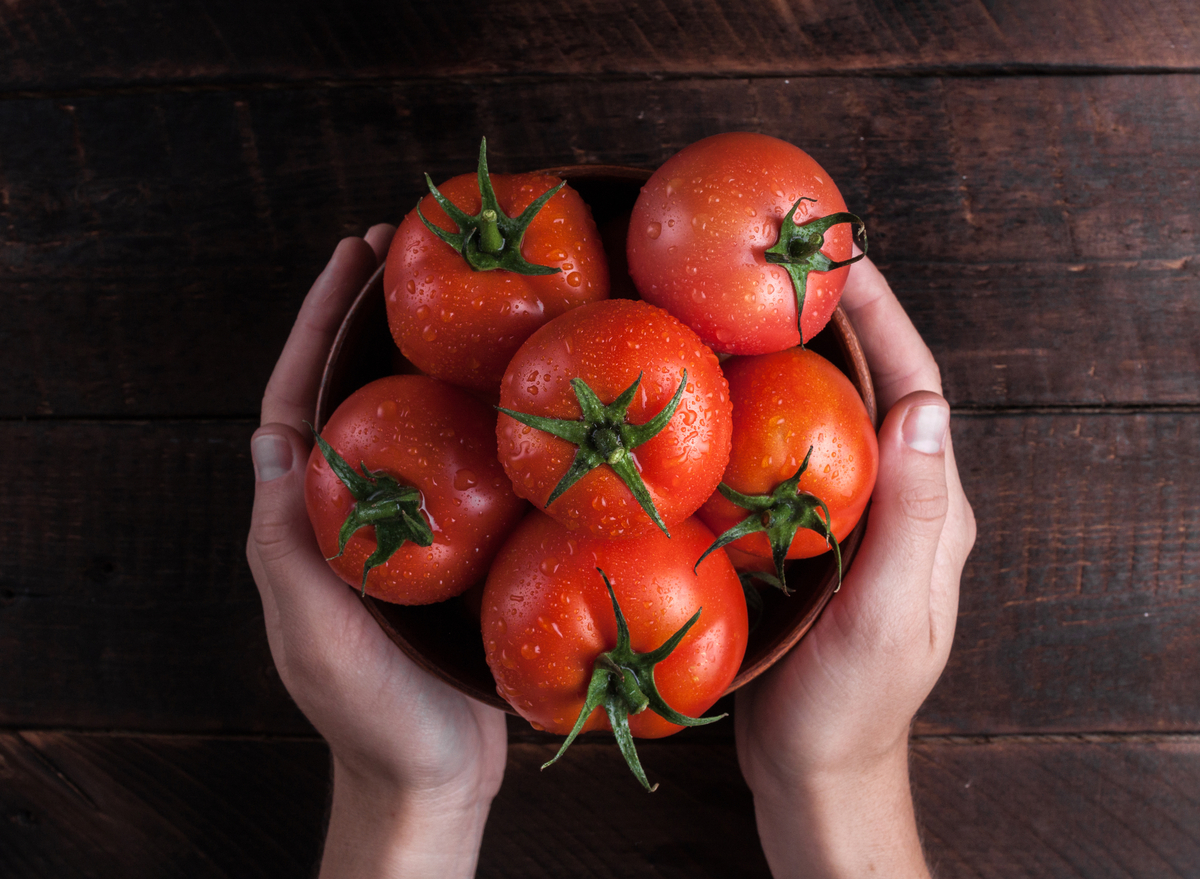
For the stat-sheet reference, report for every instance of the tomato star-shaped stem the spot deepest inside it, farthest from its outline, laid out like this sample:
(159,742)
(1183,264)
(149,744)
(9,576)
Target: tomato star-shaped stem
(623,683)
(382,502)
(490,239)
(603,436)
(798,249)
(780,514)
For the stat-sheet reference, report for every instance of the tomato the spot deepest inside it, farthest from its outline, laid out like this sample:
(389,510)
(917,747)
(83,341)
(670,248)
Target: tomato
(547,617)
(794,408)
(463,324)
(702,229)
(614,469)
(429,451)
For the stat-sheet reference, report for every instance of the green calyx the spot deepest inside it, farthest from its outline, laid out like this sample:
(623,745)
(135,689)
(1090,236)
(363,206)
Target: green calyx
(491,239)
(603,436)
(392,508)
(623,683)
(798,249)
(780,514)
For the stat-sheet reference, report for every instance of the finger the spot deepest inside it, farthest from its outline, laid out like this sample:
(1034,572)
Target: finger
(293,577)
(889,585)
(291,393)
(380,238)
(958,537)
(900,360)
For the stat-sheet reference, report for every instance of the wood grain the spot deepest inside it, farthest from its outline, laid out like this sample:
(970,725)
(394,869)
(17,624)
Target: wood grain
(1079,605)
(74,45)
(100,806)
(158,245)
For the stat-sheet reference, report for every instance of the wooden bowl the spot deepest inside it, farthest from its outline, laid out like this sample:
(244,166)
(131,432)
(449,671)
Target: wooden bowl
(444,639)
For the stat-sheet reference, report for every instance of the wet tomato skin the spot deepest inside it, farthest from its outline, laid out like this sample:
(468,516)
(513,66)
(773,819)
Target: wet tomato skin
(783,403)
(701,226)
(462,325)
(608,344)
(547,616)
(424,433)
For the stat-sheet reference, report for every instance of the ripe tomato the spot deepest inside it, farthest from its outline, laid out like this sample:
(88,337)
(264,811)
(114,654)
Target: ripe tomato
(547,617)
(700,233)
(435,442)
(786,405)
(463,324)
(629,354)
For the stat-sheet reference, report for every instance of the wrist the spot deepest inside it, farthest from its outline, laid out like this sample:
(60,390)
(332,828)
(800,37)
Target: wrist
(852,822)
(378,828)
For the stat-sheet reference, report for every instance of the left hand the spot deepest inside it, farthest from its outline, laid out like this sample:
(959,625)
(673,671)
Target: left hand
(416,763)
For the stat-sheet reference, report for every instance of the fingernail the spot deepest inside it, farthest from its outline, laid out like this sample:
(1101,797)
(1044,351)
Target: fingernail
(925,428)
(272,455)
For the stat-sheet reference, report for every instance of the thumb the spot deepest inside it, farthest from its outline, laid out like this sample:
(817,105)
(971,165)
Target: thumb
(281,548)
(279,454)
(892,572)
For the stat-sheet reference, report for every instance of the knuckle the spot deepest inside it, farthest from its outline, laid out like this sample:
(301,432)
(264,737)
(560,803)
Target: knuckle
(271,537)
(924,501)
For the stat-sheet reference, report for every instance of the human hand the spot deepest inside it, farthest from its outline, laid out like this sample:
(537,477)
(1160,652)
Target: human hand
(823,736)
(416,763)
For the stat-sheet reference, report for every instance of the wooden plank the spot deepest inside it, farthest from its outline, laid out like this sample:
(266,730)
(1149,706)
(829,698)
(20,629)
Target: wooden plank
(101,806)
(188,806)
(157,245)
(75,45)
(126,598)
(1041,809)
(1079,605)
(1079,601)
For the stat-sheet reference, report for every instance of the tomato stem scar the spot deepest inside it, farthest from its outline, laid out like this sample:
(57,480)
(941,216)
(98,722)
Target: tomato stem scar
(623,683)
(798,250)
(491,239)
(780,514)
(601,435)
(382,502)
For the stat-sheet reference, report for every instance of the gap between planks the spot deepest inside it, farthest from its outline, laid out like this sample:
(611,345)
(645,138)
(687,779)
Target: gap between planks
(1007,71)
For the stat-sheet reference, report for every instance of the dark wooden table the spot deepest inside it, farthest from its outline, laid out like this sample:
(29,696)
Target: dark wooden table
(173,176)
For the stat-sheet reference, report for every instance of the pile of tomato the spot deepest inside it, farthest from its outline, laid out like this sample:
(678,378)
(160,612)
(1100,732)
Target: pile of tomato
(616,472)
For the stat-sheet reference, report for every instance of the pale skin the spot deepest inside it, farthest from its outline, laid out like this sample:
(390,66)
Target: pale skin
(822,737)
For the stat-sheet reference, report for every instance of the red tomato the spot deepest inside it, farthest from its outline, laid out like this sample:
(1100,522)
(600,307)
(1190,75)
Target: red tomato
(701,229)
(547,617)
(609,345)
(785,404)
(426,435)
(462,325)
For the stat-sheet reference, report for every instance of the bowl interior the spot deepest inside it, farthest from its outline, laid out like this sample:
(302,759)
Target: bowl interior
(444,638)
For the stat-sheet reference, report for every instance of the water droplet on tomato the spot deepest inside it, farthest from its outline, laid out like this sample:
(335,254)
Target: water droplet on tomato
(387,409)
(549,565)
(465,479)
(574,279)
(429,333)
(411,286)
(422,312)
(653,230)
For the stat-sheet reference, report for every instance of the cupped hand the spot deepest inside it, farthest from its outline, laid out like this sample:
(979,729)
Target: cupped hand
(824,734)
(415,761)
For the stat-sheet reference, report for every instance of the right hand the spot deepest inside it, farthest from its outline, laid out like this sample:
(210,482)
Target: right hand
(823,735)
